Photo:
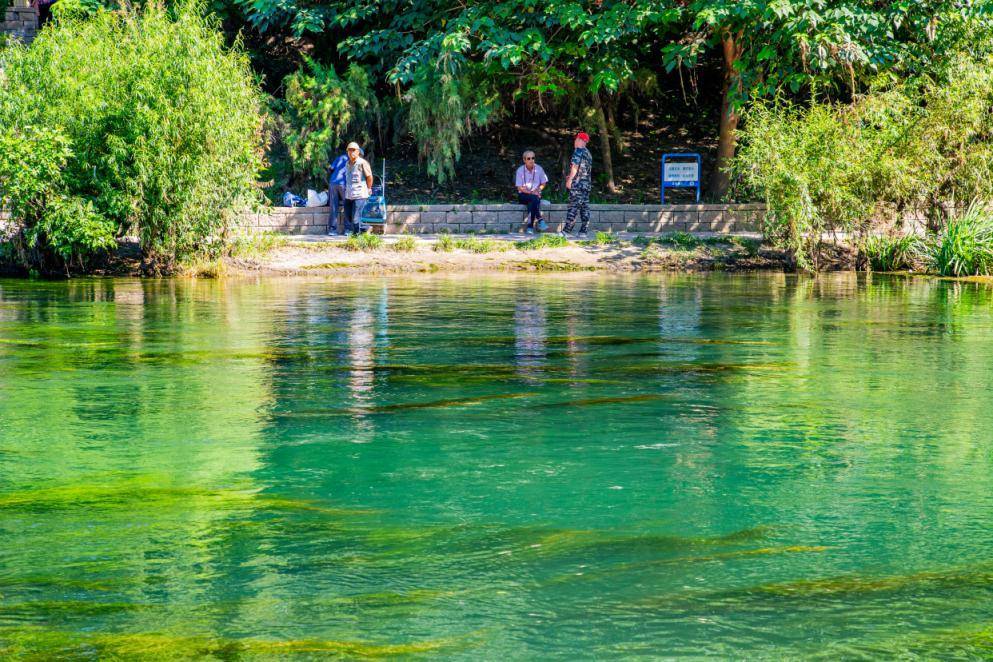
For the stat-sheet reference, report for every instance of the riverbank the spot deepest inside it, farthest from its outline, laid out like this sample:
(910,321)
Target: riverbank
(468,253)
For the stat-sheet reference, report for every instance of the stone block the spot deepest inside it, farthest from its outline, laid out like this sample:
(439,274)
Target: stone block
(716,226)
(416,228)
(607,216)
(469,228)
(639,215)
(510,217)
(433,217)
(485,217)
(459,217)
(405,217)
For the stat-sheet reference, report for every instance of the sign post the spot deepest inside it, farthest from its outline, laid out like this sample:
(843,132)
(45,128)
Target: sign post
(680,170)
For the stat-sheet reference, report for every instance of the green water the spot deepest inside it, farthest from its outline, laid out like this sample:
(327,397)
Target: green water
(496,467)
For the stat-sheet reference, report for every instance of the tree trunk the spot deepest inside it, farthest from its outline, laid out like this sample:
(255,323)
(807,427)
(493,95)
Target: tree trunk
(604,131)
(728,136)
(611,109)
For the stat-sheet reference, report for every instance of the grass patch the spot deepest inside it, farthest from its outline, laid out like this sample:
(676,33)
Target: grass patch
(964,247)
(684,241)
(677,240)
(363,242)
(445,244)
(889,253)
(405,245)
(751,246)
(206,268)
(601,239)
(475,245)
(255,245)
(544,241)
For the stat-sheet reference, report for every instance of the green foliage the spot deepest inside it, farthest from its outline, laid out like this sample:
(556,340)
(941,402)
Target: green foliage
(324,111)
(132,121)
(964,247)
(886,253)
(363,242)
(445,104)
(405,245)
(543,241)
(444,244)
(832,167)
(796,45)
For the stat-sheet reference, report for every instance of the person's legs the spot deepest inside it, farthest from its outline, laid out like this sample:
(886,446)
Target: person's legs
(533,203)
(334,199)
(573,211)
(349,215)
(584,212)
(357,226)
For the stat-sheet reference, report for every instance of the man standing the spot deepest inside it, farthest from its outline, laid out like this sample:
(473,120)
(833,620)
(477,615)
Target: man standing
(358,184)
(579,183)
(336,191)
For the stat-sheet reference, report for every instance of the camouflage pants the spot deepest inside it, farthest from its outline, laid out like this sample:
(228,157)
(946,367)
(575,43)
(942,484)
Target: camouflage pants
(579,204)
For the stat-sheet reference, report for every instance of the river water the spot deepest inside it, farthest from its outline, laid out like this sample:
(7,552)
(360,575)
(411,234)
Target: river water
(481,467)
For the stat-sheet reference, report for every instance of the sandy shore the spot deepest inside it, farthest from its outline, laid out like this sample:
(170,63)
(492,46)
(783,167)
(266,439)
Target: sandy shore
(324,255)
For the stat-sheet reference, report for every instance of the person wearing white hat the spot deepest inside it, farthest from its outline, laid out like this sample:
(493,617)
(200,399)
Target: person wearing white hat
(358,184)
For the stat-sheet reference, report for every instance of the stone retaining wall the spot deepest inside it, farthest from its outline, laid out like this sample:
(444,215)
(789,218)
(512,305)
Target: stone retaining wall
(20,21)
(498,219)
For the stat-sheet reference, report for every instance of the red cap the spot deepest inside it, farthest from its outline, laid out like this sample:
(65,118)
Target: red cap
(582,135)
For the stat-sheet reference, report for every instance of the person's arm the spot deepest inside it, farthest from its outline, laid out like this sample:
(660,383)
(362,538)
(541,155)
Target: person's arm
(368,175)
(542,182)
(572,173)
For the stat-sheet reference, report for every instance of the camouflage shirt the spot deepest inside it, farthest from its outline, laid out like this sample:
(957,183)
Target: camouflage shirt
(583,160)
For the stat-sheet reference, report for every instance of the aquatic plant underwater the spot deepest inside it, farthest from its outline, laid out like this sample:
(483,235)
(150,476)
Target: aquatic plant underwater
(518,466)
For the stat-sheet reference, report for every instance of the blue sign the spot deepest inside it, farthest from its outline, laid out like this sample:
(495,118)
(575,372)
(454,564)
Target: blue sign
(680,170)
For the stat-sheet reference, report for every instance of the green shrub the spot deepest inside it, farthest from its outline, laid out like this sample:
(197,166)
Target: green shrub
(882,253)
(833,166)
(964,247)
(405,245)
(136,121)
(363,242)
(543,241)
(445,244)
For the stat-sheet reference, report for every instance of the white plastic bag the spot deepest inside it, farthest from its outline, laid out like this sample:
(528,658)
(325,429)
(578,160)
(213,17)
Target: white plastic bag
(315,199)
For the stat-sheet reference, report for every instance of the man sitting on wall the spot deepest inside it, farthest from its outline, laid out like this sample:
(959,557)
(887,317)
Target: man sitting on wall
(530,180)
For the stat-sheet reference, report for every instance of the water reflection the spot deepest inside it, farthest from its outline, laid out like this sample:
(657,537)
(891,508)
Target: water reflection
(768,466)
(530,337)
